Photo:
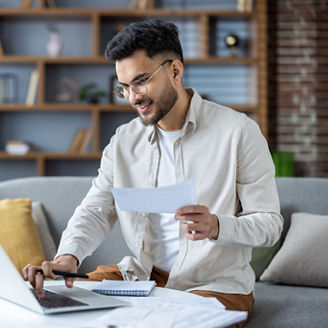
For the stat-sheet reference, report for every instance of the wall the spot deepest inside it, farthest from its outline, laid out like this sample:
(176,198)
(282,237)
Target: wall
(298,82)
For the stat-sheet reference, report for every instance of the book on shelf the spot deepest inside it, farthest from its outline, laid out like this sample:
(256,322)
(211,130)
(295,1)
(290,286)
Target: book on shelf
(125,288)
(32,88)
(1,50)
(245,5)
(81,141)
(25,4)
(249,5)
(51,3)
(86,141)
(138,4)
(17,147)
(143,4)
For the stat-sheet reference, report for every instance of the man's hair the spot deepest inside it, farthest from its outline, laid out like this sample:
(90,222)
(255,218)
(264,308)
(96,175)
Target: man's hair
(154,36)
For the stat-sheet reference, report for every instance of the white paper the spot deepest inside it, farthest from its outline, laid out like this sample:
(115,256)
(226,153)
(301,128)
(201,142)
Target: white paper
(199,302)
(136,317)
(156,200)
(166,316)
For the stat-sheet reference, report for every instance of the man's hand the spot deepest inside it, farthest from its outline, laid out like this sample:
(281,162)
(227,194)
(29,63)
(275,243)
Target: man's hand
(67,263)
(198,222)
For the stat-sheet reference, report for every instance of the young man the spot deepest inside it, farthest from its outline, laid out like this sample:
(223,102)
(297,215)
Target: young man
(203,249)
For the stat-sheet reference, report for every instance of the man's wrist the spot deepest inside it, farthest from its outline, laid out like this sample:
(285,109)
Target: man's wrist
(214,235)
(70,257)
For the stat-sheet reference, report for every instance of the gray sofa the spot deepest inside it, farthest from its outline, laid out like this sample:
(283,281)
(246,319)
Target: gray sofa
(276,306)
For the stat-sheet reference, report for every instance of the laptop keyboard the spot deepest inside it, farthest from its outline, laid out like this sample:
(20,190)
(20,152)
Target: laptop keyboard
(52,300)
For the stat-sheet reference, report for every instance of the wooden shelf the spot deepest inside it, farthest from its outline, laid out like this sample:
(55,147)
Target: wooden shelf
(66,107)
(88,12)
(96,107)
(47,155)
(58,60)
(222,60)
(75,60)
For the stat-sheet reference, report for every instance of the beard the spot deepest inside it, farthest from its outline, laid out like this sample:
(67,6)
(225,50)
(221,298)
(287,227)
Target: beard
(167,100)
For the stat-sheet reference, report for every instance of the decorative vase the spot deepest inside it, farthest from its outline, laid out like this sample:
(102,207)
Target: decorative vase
(54,44)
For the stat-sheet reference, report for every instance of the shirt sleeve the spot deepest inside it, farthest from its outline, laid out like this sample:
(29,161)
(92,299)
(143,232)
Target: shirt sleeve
(259,222)
(94,218)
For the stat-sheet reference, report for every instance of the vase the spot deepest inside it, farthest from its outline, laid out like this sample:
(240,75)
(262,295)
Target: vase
(54,44)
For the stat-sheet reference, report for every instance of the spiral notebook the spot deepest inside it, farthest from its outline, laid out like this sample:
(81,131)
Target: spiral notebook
(125,288)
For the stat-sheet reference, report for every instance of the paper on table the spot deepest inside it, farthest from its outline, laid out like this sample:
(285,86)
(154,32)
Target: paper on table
(198,302)
(202,312)
(136,317)
(166,316)
(156,200)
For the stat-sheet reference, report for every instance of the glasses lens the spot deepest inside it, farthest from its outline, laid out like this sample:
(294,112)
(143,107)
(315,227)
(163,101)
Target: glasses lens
(118,91)
(139,88)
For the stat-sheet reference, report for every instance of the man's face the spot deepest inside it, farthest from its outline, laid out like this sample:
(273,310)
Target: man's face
(160,97)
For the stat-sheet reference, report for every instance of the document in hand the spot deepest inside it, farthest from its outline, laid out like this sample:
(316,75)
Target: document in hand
(125,288)
(156,200)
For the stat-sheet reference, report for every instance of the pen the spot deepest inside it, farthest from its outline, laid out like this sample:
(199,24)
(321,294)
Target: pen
(67,274)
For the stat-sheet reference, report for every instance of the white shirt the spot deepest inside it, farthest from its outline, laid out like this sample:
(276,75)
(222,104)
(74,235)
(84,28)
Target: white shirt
(163,237)
(226,155)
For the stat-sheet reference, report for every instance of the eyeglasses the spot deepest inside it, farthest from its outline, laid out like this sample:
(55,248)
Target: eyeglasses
(139,86)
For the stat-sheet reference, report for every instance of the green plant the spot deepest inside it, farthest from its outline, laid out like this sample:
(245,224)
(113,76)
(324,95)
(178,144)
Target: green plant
(90,93)
(53,28)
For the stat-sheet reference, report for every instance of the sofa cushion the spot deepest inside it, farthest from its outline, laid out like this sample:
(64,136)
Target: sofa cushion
(18,234)
(283,306)
(261,258)
(40,220)
(303,257)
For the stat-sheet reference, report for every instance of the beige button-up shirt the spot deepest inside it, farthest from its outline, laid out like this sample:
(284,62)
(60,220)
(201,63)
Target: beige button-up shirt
(228,158)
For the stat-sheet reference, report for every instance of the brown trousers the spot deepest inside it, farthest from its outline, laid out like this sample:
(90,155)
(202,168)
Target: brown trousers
(236,302)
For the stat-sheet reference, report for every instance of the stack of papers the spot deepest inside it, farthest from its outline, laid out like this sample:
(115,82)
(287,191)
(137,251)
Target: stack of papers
(163,312)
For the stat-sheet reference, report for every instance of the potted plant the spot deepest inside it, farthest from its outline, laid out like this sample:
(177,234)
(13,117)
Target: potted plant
(90,93)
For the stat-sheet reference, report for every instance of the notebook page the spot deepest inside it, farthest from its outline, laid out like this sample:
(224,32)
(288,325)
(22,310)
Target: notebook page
(128,288)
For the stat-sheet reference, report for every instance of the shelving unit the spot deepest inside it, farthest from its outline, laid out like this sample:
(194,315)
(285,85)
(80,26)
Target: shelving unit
(208,68)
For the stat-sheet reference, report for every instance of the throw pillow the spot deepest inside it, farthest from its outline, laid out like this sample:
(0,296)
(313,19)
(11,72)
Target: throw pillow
(261,258)
(303,257)
(47,242)
(18,234)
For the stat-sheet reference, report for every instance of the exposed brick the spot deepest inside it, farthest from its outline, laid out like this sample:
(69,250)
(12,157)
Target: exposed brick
(298,82)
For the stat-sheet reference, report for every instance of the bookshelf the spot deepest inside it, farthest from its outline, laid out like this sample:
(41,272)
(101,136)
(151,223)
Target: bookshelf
(50,125)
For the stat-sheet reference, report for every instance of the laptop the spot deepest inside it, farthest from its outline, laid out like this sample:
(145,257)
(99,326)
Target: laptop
(58,299)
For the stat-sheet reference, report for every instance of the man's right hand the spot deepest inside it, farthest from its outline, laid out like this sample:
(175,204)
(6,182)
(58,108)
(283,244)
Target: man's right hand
(65,262)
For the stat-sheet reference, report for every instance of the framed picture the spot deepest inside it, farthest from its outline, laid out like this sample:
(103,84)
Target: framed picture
(114,99)
(8,88)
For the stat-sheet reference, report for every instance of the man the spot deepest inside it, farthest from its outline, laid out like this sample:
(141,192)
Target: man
(203,249)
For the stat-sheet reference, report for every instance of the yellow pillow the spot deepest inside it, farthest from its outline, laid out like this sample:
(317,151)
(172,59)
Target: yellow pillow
(18,234)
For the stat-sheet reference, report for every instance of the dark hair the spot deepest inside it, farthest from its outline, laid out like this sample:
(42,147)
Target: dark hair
(154,36)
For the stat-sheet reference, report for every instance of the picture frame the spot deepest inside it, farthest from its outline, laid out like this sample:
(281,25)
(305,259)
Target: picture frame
(8,88)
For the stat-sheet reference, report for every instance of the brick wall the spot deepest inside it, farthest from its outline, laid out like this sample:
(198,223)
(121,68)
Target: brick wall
(298,82)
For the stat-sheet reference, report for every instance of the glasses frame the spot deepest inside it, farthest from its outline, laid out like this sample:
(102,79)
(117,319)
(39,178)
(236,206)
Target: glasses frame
(120,90)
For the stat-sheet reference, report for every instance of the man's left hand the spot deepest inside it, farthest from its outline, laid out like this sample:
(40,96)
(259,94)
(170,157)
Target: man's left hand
(198,222)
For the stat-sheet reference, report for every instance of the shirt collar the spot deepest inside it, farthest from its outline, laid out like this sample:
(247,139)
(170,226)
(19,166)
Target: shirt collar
(191,118)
